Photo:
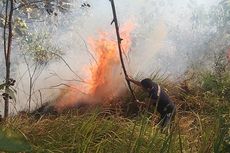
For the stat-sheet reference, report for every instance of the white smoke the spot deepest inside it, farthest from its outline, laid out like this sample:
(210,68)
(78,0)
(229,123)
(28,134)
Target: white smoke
(161,40)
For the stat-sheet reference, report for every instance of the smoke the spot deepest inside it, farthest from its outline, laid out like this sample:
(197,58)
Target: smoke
(165,37)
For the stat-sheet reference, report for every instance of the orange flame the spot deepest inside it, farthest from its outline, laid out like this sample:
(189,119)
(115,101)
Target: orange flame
(106,80)
(102,71)
(69,96)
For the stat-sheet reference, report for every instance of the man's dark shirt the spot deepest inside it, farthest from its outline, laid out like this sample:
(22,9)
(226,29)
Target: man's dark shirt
(165,105)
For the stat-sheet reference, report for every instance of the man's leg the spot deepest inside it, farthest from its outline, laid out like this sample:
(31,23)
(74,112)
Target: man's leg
(165,120)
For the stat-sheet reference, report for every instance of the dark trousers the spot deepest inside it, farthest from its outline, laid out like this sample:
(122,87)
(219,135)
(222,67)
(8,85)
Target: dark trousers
(167,115)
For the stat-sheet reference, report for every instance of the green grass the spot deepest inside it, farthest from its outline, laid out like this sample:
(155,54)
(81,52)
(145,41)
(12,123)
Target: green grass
(96,131)
(202,124)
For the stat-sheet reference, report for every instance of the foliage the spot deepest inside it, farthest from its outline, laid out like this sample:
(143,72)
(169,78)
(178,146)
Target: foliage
(221,143)
(29,11)
(202,125)
(12,140)
(38,48)
(96,131)
(218,86)
(217,80)
(20,26)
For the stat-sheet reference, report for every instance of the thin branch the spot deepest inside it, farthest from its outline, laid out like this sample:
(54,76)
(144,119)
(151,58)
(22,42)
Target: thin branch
(119,39)
(40,94)
(23,74)
(62,84)
(27,65)
(38,74)
(30,80)
(68,66)
(54,74)
(86,46)
(5,25)
(10,32)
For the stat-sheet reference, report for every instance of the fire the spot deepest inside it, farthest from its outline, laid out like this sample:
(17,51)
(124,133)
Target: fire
(102,72)
(106,80)
(68,96)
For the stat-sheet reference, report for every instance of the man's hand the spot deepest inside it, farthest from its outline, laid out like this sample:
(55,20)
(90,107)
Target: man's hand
(128,78)
(140,104)
(138,83)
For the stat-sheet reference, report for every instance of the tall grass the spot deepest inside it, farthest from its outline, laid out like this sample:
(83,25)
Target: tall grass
(98,132)
(202,123)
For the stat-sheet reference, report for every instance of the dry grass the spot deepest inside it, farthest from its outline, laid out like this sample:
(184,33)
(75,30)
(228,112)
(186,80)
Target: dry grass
(201,126)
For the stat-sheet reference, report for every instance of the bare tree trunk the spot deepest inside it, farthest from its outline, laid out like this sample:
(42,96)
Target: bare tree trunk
(7,52)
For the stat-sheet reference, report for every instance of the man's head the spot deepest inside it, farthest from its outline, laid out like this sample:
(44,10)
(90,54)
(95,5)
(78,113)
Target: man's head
(147,84)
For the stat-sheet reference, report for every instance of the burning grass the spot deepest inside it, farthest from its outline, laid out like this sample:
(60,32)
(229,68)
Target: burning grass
(104,80)
(202,122)
(97,131)
(201,125)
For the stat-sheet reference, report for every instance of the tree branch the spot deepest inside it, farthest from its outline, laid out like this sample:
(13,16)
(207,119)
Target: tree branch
(119,39)
(68,66)
(4,28)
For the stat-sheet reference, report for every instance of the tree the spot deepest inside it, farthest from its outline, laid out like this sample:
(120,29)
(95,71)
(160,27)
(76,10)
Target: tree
(12,25)
(37,53)
(9,9)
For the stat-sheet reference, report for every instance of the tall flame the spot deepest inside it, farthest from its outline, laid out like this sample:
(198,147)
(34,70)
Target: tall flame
(106,79)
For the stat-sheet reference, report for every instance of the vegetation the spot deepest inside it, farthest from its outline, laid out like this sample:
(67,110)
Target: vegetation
(202,97)
(202,124)
(13,22)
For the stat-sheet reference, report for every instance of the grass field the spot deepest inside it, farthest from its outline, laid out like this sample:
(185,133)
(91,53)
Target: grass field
(201,125)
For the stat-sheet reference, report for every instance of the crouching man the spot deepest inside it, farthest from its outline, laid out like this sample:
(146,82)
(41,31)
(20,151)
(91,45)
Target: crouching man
(159,99)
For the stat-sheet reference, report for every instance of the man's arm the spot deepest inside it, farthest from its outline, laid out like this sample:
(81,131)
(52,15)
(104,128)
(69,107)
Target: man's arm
(138,83)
